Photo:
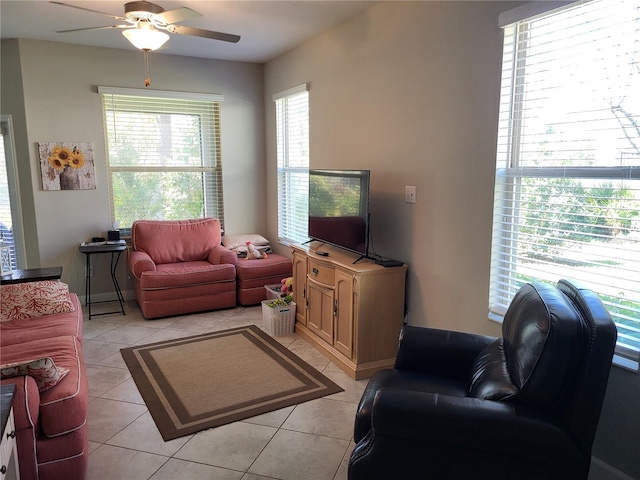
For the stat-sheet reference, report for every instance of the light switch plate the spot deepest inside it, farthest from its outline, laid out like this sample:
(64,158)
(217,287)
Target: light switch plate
(410,194)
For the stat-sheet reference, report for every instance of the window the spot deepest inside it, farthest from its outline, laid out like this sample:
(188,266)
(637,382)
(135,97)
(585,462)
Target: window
(163,152)
(10,218)
(567,199)
(292,130)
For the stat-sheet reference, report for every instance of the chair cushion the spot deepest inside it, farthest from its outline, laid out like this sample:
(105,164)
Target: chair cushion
(167,241)
(186,274)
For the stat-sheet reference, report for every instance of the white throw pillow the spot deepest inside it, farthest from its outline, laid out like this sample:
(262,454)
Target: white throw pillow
(240,240)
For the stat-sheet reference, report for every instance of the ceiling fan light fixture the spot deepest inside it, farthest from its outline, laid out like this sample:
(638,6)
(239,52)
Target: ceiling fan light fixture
(146,38)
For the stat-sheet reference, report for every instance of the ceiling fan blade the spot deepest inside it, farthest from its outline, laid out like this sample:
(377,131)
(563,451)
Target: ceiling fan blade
(116,17)
(177,15)
(198,32)
(93,28)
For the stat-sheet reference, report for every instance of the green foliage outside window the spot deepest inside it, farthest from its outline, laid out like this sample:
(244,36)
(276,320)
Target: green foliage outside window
(136,196)
(561,212)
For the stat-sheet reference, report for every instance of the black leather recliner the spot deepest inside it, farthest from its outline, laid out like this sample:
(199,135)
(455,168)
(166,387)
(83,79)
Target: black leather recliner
(465,406)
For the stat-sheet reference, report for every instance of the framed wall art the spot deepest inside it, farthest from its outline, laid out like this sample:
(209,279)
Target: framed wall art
(67,166)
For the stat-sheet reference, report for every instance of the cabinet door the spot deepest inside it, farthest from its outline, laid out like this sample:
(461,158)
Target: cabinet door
(344,321)
(299,285)
(320,311)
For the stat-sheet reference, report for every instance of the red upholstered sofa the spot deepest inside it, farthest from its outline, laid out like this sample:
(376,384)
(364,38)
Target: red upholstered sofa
(51,426)
(180,266)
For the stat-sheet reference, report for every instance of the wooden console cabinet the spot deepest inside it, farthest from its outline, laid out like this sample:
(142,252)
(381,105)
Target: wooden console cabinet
(352,313)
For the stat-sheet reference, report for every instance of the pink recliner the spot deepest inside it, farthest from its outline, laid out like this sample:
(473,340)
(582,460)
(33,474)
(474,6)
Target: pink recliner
(179,267)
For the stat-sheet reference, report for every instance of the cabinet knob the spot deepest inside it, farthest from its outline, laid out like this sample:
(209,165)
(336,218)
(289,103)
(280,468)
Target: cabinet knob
(3,469)
(315,271)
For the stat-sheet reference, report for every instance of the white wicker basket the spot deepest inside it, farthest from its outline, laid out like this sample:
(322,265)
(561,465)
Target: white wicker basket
(273,291)
(278,320)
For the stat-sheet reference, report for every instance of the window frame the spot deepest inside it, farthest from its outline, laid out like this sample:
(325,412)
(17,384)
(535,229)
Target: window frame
(292,179)
(18,249)
(510,174)
(210,143)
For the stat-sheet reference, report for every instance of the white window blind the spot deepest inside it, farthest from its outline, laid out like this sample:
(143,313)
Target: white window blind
(292,130)
(567,199)
(164,158)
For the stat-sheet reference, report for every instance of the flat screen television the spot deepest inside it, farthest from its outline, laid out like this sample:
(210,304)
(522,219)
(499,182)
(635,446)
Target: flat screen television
(339,208)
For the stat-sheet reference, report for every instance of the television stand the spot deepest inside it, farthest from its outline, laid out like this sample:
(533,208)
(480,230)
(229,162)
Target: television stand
(351,313)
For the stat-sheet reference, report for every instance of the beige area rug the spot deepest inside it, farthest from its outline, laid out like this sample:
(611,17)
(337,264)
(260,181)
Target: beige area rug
(194,383)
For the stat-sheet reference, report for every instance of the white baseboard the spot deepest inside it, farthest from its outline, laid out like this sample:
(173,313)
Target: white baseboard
(603,471)
(105,297)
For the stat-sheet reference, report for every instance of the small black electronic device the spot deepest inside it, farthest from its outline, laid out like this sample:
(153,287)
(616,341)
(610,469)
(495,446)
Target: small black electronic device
(389,263)
(113,235)
(323,254)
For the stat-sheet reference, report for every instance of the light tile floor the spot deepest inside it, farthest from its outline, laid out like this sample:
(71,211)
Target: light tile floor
(309,441)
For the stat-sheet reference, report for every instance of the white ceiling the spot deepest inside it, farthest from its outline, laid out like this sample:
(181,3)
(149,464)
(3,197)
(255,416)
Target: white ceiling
(268,28)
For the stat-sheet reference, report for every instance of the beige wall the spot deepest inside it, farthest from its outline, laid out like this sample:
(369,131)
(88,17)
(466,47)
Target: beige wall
(410,91)
(59,102)
(12,102)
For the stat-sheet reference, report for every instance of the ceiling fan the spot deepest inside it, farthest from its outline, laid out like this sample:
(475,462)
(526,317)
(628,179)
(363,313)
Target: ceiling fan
(147,22)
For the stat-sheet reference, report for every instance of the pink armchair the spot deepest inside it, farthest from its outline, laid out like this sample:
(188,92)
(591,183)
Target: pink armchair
(179,266)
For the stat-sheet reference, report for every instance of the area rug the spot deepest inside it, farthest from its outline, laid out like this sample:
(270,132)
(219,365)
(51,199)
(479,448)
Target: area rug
(194,383)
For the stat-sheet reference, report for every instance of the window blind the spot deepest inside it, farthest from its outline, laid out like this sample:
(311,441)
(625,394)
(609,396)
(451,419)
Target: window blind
(567,198)
(292,130)
(164,157)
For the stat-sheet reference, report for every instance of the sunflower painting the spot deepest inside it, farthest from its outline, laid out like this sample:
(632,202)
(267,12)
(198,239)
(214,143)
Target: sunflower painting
(67,166)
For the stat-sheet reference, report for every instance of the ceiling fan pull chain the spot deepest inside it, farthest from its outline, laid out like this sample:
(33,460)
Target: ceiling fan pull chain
(147,80)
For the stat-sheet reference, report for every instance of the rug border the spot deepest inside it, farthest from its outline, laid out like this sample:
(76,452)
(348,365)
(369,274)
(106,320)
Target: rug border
(159,412)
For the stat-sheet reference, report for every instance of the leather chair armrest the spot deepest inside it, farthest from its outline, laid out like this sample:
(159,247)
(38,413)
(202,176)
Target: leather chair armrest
(464,421)
(221,254)
(439,352)
(140,262)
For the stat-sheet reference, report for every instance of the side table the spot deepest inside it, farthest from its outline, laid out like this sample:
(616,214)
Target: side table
(9,468)
(32,275)
(115,250)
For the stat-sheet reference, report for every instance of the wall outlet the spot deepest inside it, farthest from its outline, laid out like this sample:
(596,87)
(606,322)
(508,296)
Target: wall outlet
(410,194)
